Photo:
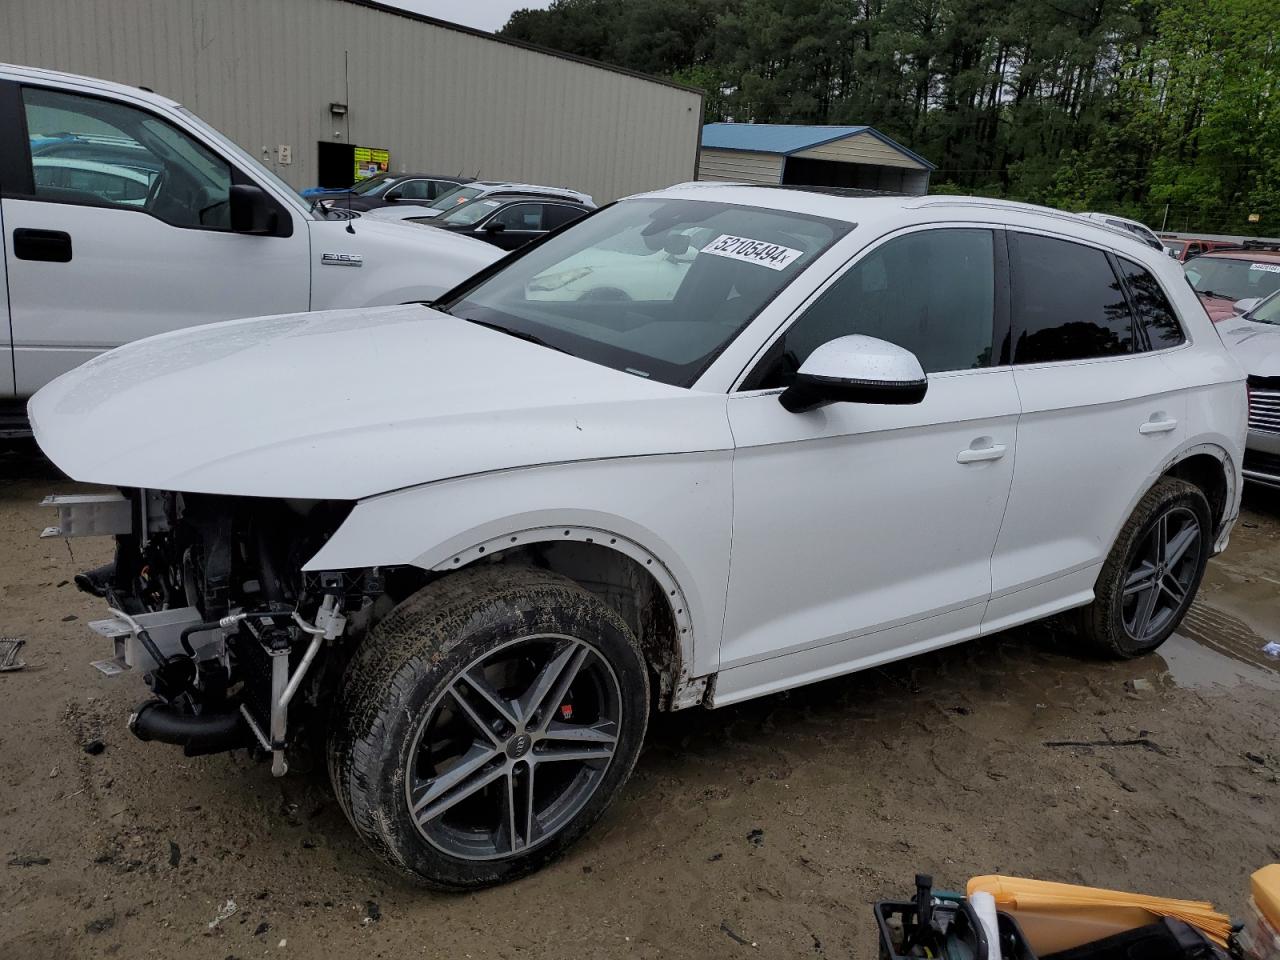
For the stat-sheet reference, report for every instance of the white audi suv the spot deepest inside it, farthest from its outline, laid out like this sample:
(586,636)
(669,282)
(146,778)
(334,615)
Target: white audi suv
(703,445)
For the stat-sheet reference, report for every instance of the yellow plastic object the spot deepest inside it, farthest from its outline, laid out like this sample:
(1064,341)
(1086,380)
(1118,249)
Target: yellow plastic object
(1265,885)
(1057,916)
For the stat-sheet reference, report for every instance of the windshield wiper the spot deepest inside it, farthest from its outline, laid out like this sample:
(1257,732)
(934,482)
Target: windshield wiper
(518,334)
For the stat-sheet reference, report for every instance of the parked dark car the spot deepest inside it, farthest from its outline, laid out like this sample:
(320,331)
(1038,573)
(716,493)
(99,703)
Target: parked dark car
(384,189)
(510,222)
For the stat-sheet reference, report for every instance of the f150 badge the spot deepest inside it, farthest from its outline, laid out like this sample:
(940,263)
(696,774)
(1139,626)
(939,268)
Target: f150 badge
(341,260)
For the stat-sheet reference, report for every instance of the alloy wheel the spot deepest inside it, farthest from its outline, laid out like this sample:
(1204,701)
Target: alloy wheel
(514,748)
(1161,574)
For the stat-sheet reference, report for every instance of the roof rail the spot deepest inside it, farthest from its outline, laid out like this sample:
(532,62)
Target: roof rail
(942,200)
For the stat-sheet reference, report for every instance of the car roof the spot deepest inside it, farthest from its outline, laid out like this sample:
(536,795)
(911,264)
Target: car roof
(451,177)
(862,206)
(530,188)
(506,198)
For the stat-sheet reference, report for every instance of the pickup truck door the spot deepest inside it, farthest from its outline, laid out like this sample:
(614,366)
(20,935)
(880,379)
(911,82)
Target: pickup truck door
(117,227)
(10,163)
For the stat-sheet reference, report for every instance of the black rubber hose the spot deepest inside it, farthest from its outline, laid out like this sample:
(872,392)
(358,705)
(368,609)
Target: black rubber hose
(206,733)
(185,638)
(151,648)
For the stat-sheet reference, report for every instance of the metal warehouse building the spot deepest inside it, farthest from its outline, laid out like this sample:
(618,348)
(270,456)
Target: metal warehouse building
(814,156)
(283,77)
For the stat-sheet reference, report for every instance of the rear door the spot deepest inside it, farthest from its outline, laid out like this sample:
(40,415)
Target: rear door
(93,262)
(1101,412)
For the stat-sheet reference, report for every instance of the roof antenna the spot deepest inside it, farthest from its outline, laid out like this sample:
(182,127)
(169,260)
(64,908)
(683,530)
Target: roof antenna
(346,81)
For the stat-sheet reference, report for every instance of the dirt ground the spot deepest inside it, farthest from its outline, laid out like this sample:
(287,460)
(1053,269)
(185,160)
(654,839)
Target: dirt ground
(766,829)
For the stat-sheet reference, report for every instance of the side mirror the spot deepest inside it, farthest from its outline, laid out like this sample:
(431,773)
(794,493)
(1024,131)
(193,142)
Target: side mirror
(391,196)
(1241,307)
(856,369)
(252,211)
(495,226)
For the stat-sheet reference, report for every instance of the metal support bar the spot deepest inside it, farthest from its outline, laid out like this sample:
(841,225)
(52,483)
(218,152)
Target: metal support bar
(279,711)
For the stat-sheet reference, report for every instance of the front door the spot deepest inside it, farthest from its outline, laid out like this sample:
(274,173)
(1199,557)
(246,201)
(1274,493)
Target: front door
(122,230)
(520,223)
(863,533)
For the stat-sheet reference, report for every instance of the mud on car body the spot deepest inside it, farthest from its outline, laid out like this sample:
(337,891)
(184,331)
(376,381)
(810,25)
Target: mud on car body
(658,459)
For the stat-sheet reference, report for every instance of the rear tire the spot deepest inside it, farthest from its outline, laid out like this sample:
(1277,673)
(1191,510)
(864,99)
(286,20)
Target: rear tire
(1152,573)
(485,724)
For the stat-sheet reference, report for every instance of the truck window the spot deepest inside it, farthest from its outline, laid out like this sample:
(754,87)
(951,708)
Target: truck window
(96,152)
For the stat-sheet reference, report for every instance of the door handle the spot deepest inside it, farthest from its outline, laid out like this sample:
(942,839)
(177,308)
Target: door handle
(49,246)
(1157,426)
(976,455)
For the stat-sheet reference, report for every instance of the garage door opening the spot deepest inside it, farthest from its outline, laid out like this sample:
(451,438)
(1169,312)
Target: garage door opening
(807,172)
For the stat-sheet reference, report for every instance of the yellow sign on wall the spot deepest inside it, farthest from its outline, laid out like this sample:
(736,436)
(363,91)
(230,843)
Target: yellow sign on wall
(370,161)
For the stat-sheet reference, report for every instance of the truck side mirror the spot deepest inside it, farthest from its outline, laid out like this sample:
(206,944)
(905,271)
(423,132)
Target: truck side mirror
(252,211)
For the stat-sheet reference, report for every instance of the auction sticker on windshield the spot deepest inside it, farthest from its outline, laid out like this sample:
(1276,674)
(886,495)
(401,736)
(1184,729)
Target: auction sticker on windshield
(763,254)
(1268,267)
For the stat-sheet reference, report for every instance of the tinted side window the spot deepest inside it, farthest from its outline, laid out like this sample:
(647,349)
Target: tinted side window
(1066,302)
(415,190)
(101,153)
(932,292)
(520,216)
(557,214)
(1155,313)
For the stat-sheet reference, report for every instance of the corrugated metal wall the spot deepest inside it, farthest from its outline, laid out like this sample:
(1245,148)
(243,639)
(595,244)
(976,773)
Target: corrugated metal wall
(861,148)
(265,71)
(740,166)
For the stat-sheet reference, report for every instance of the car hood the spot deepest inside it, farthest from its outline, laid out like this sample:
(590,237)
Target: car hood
(350,403)
(1256,346)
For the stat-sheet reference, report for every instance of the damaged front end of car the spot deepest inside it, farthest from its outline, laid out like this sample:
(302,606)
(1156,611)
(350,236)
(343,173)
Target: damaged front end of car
(208,599)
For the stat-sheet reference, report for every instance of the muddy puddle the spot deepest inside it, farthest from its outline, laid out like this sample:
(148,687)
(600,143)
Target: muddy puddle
(1215,650)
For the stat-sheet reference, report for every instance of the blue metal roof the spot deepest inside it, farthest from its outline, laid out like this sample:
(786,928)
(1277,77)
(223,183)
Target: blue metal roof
(787,138)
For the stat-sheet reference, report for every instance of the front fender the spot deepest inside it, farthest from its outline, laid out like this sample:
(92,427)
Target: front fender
(672,513)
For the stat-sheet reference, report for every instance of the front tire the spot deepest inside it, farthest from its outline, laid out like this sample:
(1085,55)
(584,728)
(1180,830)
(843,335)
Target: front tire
(486,723)
(1152,573)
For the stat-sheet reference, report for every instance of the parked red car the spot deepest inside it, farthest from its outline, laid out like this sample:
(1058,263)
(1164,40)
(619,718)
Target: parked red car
(1184,248)
(1224,278)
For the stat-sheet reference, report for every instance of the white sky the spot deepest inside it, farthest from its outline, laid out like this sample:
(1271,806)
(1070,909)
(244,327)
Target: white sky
(481,14)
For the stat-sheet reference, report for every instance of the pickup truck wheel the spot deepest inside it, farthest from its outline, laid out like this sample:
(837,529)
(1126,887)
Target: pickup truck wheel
(1152,573)
(486,723)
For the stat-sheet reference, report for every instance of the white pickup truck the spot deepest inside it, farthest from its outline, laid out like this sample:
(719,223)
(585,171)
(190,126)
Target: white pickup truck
(124,215)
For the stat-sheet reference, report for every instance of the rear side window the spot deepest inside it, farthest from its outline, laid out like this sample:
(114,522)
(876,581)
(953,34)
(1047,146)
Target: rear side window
(1155,314)
(1066,302)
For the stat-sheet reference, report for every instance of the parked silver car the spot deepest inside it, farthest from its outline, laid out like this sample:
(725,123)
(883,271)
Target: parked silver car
(1254,338)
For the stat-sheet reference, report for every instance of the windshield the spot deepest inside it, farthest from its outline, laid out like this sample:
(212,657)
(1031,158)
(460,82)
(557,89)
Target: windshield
(457,195)
(654,287)
(469,213)
(1233,279)
(1267,312)
(374,185)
